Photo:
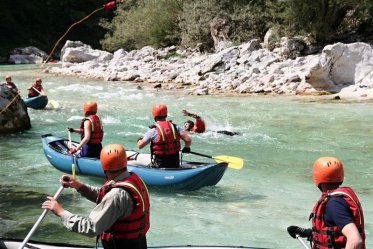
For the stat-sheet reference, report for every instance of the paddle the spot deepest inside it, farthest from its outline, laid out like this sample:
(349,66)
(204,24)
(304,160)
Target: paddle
(37,90)
(72,157)
(233,162)
(33,229)
(296,233)
(302,242)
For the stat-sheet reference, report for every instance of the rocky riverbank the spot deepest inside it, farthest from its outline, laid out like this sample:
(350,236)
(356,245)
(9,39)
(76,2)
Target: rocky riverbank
(343,69)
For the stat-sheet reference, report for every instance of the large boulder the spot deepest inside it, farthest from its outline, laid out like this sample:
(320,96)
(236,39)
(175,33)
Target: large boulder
(342,65)
(13,112)
(77,52)
(27,55)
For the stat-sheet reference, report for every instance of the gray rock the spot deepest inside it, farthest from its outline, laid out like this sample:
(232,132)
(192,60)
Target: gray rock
(13,112)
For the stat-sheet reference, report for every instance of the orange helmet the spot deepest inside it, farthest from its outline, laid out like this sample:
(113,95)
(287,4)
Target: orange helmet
(38,80)
(327,170)
(159,110)
(8,77)
(113,157)
(90,106)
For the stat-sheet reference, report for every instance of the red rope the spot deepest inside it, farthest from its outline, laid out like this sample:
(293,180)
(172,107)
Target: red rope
(67,31)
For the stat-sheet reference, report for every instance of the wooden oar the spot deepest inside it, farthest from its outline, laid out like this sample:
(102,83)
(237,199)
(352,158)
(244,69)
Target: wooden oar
(33,229)
(72,158)
(233,162)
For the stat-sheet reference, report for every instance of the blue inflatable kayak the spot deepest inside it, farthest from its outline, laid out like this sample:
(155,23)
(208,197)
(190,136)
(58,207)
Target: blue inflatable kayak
(38,102)
(190,176)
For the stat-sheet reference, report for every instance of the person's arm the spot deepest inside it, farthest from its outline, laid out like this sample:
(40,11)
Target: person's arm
(354,240)
(115,204)
(142,142)
(185,137)
(337,213)
(190,114)
(87,134)
(75,130)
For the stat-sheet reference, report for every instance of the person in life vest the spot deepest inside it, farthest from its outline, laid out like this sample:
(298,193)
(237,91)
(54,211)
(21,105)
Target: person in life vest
(164,137)
(91,132)
(196,127)
(36,89)
(9,84)
(122,214)
(199,126)
(337,217)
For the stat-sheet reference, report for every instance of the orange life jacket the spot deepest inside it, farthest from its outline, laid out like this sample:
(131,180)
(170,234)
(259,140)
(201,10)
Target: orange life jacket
(97,133)
(168,142)
(325,237)
(136,224)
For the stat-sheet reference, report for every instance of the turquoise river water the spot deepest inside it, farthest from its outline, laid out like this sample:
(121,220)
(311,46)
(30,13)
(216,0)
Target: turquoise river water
(280,137)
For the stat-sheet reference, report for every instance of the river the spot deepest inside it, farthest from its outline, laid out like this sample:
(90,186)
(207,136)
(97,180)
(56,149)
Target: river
(280,138)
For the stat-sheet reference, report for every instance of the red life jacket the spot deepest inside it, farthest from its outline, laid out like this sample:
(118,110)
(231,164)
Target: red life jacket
(32,92)
(136,224)
(97,132)
(331,237)
(168,142)
(199,126)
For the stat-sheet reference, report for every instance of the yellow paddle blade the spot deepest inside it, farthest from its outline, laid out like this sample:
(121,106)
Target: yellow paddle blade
(233,162)
(54,104)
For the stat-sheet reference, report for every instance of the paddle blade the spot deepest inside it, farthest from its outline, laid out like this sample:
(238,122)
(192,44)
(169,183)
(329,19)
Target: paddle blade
(54,104)
(233,162)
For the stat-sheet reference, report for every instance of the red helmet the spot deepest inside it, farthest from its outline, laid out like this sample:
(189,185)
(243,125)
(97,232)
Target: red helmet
(327,170)
(113,157)
(90,106)
(38,79)
(159,110)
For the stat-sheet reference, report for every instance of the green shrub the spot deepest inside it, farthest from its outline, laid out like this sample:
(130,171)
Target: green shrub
(150,22)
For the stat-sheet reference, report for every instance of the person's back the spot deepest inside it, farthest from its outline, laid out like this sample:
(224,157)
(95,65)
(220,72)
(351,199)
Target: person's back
(164,137)
(166,145)
(91,132)
(121,217)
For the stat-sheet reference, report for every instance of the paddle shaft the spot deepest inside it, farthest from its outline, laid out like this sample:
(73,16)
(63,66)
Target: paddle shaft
(33,229)
(302,242)
(36,90)
(233,162)
(72,158)
(199,154)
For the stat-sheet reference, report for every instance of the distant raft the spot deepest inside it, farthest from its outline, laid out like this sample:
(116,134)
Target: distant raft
(189,176)
(38,102)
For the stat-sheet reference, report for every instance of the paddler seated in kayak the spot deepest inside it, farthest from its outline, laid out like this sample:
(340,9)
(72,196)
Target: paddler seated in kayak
(91,132)
(164,137)
(36,89)
(198,126)
(121,215)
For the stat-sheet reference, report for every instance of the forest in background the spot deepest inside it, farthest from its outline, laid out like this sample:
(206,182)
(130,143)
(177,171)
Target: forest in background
(160,23)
